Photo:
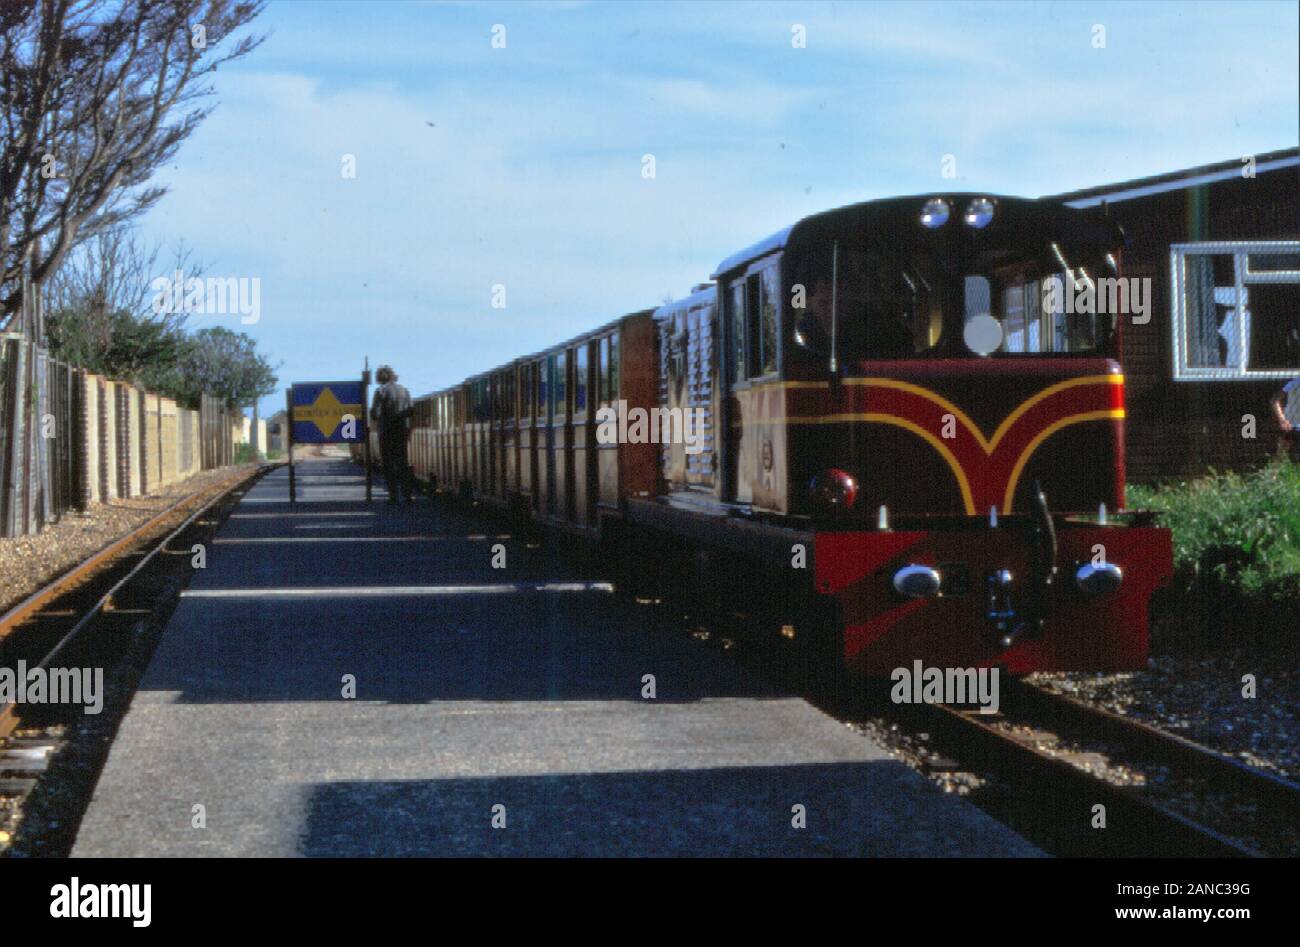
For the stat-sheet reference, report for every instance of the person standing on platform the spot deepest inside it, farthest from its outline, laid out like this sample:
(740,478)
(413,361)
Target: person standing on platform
(391,414)
(1286,411)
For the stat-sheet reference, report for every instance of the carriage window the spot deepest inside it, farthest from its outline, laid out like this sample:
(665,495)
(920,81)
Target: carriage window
(560,385)
(1236,310)
(602,370)
(543,372)
(580,379)
(614,367)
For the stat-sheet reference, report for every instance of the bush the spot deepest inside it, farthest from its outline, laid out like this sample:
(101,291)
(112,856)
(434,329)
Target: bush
(245,454)
(1234,534)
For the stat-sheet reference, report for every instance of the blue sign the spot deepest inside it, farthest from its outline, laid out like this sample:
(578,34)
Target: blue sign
(328,412)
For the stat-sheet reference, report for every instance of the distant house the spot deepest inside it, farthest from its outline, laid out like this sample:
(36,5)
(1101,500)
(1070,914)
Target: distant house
(276,435)
(1222,250)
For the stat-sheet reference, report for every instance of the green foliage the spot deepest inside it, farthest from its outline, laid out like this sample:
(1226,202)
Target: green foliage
(119,345)
(1234,534)
(225,364)
(246,454)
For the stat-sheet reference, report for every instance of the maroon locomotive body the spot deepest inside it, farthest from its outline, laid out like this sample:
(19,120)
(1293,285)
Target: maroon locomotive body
(899,424)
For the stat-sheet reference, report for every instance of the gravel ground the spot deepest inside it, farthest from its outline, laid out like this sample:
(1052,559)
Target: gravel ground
(30,562)
(1199,696)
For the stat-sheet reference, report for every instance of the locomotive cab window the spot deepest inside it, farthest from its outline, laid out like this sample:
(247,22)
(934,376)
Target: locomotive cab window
(753,319)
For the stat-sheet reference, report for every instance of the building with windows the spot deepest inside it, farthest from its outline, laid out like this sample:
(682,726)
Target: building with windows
(1221,247)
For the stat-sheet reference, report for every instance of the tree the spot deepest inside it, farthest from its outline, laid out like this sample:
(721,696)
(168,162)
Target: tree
(99,315)
(224,364)
(95,95)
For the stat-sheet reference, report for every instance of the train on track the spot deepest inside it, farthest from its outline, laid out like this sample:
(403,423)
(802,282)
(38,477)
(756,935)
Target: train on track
(898,424)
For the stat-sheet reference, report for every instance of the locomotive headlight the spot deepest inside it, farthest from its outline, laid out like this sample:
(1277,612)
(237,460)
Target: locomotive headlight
(1098,579)
(834,490)
(979,213)
(917,581)
(934,213)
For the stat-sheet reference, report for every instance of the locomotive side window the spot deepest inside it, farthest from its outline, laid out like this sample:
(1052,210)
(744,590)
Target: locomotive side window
(751,307)
(771,291)
(736,322)
(753,315)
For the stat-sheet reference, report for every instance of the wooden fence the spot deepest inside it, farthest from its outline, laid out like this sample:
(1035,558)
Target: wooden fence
(69,438)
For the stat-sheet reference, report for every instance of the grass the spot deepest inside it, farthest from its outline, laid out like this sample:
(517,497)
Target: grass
(1235,535)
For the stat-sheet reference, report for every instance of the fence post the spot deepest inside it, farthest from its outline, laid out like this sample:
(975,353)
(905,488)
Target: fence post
(12,466)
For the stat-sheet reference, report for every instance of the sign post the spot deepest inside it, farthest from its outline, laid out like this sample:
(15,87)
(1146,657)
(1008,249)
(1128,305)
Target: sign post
(365,400)
(288,400)
(327,412)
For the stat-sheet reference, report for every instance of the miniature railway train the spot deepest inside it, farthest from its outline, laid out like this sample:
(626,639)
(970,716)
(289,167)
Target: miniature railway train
(905,438)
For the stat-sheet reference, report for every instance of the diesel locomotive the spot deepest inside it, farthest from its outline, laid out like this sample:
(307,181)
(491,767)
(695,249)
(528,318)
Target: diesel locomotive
(906,438)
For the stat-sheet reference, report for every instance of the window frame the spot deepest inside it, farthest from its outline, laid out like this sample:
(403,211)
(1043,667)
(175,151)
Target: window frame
(737,341)
(748,360)
(560,382)
(1240,251)
(581,379)
(615,366)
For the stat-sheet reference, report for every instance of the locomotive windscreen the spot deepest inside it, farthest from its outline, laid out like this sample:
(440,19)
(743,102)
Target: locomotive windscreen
(1016,290)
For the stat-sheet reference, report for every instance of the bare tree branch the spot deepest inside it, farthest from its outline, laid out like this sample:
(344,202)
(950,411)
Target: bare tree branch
(96,95)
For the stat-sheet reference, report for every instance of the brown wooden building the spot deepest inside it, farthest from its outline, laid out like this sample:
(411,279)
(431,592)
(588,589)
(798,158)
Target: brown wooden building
(1222,251)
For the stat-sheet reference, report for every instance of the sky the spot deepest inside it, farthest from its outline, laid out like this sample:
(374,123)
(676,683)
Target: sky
(524,166)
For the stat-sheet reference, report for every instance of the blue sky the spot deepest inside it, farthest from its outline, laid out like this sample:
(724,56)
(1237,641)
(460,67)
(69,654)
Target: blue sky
(530,174)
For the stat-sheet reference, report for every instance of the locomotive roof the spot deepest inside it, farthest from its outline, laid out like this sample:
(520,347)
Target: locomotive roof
(781,238)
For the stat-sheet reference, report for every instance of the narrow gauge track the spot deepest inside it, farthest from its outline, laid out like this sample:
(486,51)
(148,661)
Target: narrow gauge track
(1053,801)
(1255,810)
(1041,761)
(56,619)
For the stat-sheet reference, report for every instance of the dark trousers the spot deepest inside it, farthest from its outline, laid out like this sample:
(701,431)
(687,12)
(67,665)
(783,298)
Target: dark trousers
(397,472)
(1288,445)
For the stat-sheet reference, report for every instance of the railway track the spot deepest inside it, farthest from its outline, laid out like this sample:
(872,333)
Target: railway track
(1055,761)
(82,613)
(1045,761)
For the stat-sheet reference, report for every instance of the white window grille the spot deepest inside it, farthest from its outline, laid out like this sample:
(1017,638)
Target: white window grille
(1236,310)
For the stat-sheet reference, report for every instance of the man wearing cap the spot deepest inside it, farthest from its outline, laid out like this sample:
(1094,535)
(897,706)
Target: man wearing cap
(391,413)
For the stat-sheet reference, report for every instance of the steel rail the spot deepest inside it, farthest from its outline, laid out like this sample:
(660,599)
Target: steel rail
(1151,742)
(1135,824)
(209,496)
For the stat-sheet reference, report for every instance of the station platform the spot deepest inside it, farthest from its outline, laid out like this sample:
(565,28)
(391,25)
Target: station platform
(476,688)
